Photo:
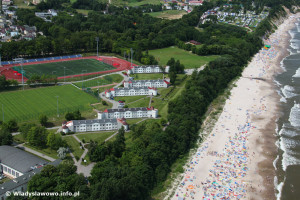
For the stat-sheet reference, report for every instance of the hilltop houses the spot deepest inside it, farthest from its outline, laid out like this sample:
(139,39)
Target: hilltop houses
(142,112)
(134,91)
(148,69)
(160,83)
(94,125)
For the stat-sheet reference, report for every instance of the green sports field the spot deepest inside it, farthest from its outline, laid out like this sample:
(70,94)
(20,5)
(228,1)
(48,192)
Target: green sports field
(29,104)
(71,67)
(108,79)
(189,59)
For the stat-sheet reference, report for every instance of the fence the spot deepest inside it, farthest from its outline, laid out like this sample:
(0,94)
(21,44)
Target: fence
(43,59)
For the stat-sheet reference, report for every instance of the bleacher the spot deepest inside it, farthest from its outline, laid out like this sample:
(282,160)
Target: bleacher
(43,59)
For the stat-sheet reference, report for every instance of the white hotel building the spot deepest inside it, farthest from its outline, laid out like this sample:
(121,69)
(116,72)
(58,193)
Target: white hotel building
(160,83)
(147,69)
(117,92)
(94,125)
(128,113)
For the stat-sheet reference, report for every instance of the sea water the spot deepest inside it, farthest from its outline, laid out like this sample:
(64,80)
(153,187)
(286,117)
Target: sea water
(287,162)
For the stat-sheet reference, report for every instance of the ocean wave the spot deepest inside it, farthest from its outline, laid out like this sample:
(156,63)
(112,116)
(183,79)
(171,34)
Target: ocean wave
(297,74)
(282,64)
(292,33)
(287,132)
(294,45)
(294,117)
(287,91)
(278,187)
(275,162)
(277,83)
(288,160)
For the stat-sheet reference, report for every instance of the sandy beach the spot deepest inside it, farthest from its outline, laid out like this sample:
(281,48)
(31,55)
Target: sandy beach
(235,160)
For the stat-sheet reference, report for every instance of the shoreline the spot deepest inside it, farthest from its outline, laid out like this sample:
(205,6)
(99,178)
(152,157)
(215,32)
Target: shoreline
(267,143)
(236,159)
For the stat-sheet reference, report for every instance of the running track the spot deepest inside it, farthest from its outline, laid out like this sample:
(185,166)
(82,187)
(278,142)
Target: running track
(118,63)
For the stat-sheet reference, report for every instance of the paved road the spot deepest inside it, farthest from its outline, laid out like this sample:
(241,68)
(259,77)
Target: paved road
(55,127)
(35,152)
(115,103)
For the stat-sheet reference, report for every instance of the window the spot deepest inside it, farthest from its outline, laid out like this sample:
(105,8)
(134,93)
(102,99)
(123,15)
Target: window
(5,169)
(9,170)
(17,175)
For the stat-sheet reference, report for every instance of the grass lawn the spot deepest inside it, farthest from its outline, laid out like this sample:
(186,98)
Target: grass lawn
(30,104)
(148,76)
(71,67)
(157,102)
(47,151)
(109,79)
(168,14)
(74,146)
(84,12)
(101,107)
(21,4)
(189,59)
(19,138)
(133,121)
(95,136)
(129,99)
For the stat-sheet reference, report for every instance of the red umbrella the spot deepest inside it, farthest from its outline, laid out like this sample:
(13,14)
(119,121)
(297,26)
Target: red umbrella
(15,71)
(19,74)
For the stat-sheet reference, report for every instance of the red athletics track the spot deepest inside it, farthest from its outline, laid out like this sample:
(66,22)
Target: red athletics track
(118,63)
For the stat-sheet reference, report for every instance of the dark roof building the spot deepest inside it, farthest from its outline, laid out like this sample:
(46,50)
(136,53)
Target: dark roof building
(15,162)
(20,183)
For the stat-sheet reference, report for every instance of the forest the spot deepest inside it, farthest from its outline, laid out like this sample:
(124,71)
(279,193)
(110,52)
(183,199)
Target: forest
(132,171)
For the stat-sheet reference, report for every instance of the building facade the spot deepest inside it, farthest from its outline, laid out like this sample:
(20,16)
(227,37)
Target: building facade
(20,183)
(142,112)
(148,69)
(15,162)
(95,125)
(160,83)
(117,92)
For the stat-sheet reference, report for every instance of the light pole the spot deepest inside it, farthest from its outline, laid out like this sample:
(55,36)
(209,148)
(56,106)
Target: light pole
(57,106)
(20,60)
(97,40)
(64,74)
(84,70)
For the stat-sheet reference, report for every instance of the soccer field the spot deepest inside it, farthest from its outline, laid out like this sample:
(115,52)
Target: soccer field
(29,104)
(72,67)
